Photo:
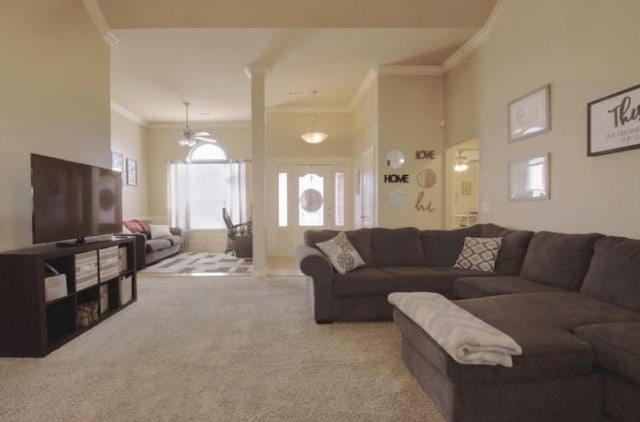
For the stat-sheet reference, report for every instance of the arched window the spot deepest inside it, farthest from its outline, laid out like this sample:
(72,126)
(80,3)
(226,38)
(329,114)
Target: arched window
(204,184)
(206,151)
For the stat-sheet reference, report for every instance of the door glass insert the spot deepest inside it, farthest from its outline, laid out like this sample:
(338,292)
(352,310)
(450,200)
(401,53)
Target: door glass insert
(311,200)
(283,216)
(339,200)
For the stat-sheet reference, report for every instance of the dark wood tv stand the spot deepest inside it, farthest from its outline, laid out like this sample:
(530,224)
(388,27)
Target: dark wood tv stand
(96,288)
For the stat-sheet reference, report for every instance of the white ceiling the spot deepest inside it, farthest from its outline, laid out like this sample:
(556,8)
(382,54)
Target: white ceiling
(154,70)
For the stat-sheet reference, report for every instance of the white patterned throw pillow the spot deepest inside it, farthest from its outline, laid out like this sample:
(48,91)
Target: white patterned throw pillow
(479,253)
(341,253)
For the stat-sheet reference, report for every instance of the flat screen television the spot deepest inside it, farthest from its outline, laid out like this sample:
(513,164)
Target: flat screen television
(73,201)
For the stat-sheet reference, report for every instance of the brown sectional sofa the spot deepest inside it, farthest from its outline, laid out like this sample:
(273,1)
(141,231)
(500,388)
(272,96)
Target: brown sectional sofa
(572,301)
(404,259)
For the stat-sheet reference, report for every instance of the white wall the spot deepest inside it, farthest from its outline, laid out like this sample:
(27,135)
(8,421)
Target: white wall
(410,112)
(586,49)
(127,137)
(54,81)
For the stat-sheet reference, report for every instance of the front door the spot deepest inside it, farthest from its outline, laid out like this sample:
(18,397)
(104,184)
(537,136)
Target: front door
(309,197)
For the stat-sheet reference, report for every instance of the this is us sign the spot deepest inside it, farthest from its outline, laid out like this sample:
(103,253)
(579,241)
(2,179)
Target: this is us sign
(614,122)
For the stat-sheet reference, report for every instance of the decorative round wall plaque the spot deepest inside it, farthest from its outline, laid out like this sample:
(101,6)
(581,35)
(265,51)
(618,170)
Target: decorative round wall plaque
(426,178)
(311,200)
(395,158)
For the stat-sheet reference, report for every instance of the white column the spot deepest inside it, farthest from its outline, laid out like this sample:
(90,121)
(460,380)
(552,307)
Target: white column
(257,73)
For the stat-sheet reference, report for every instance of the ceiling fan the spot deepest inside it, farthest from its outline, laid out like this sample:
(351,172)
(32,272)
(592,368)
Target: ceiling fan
(189,137)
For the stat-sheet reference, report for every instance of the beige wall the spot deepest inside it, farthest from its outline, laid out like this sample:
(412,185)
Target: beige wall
(284,129)
(162,147)
(54,81)
(127,137)
(586,49)
(409,119)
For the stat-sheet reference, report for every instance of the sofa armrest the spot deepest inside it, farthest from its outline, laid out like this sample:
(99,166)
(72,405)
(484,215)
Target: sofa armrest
(176,230)
(317,266)
(140,242)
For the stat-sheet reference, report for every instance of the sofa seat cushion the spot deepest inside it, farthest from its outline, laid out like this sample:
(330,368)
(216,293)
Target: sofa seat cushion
(425,279)
(541,323)
(470,287)
(364,281)
(558,259)
(617,347)
(158,244)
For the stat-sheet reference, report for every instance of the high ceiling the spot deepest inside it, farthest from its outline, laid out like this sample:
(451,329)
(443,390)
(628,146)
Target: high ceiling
(169,51)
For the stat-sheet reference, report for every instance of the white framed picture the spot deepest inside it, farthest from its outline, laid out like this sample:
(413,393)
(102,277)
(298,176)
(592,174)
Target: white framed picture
(530,115)
(529,178)
(132,172)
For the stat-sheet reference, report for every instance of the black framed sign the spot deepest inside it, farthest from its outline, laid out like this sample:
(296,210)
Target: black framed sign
(613,122)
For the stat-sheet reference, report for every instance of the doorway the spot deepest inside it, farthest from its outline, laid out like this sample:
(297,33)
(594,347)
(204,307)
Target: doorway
(462,185)
(306,196)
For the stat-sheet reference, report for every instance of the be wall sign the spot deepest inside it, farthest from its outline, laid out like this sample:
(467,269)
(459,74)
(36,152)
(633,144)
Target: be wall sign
(396,178)
(614,122)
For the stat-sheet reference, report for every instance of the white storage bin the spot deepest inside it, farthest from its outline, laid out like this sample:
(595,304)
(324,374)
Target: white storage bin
(126,290)
(109,265)
(122,259)
(55,287)
(86,269)
(104,298)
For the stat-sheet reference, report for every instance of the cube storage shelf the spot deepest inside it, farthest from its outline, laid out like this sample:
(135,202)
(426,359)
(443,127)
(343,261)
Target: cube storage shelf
(38,313)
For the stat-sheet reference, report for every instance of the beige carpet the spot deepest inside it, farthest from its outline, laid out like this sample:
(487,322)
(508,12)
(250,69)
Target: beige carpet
(218,349)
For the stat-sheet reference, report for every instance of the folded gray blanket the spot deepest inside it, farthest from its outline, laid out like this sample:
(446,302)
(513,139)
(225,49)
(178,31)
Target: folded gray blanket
(467,338)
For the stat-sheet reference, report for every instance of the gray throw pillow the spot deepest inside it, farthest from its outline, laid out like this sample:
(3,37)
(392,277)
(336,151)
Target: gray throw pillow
(341,253)
(479,253)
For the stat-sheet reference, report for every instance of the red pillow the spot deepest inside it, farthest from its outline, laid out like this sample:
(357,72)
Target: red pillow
(135,226)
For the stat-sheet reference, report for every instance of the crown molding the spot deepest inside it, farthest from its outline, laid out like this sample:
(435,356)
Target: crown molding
(128,114)
(474,42)
(199,125)
(409,70)
(95,13)
(309,110)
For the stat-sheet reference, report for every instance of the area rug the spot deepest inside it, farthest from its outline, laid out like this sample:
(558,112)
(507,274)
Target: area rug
(225,348)
(201,263)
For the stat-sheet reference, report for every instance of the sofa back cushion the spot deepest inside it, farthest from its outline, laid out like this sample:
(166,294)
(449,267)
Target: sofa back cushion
(514,249)
(397,247)
(360,239)
(558,259)
(614,273)
(441,248)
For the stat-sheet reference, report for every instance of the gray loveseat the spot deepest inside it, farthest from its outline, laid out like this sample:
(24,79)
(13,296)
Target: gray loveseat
(574,307)
(150,250)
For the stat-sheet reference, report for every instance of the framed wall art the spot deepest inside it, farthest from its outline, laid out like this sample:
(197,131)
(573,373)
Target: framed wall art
(613,122)
(132,172)
(530,115)
(529,178)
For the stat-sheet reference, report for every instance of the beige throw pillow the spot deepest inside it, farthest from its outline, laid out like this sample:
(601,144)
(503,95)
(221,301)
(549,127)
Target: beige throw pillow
(479,253)
(341,253)
(159,230)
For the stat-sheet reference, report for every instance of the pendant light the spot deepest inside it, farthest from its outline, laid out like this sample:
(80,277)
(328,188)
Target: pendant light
(314,136)
(461,163)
